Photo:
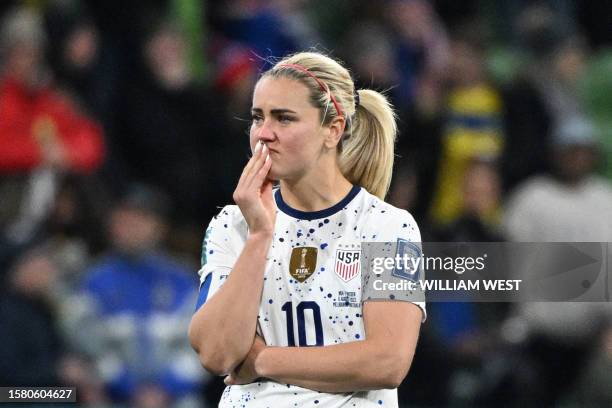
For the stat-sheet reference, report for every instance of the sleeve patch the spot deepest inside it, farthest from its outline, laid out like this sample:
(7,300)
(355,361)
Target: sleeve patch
(410,268)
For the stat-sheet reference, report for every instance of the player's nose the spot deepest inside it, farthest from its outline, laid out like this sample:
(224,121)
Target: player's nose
(266,133)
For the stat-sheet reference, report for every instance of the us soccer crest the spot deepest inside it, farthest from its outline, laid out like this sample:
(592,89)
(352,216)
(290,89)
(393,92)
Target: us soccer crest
(303,263)
(348,264)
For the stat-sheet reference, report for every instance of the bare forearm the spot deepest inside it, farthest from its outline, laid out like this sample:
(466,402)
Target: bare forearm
(356,366)
(222,330)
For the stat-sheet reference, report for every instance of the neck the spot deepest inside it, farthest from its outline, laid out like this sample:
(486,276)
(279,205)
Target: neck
(316,192)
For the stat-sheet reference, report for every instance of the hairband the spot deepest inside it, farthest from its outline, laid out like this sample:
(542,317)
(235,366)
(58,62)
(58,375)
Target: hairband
(322,85)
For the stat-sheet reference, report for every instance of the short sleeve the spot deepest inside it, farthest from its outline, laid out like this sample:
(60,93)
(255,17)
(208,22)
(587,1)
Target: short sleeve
(397,235)
(222,245)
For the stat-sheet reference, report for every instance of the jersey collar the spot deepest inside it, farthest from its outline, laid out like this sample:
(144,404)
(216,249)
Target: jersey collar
(314,215)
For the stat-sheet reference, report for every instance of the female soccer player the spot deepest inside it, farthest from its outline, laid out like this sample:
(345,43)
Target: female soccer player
(282,311)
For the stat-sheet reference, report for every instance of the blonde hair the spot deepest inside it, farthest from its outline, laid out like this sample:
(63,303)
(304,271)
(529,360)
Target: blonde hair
(366,149)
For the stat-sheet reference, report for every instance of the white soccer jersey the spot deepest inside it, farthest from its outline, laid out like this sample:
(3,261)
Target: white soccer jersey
(312,286)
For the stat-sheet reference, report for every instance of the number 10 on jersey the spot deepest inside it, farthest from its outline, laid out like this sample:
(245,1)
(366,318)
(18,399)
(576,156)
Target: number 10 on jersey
(300,311)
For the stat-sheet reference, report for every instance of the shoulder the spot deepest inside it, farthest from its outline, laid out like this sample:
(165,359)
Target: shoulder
(375,208)
(601,184)
(530,190)
(229,219)
(229,213)
(387,221)
(225,233)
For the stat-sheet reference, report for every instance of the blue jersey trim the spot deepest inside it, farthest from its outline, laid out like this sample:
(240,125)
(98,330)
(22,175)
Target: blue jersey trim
(203,292)
(314,215)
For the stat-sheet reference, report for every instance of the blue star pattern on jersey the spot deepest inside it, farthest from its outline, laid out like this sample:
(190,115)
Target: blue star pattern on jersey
(323,309)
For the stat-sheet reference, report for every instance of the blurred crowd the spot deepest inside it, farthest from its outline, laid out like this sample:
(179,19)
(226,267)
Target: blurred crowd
(123,129)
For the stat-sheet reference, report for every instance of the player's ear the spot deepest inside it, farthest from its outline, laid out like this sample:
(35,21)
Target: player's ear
(334,132)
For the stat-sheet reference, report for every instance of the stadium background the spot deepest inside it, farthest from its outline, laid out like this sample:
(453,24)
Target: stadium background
(123,128)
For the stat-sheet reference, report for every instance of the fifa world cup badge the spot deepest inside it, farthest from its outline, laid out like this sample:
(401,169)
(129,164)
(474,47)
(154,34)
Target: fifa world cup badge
(303,263)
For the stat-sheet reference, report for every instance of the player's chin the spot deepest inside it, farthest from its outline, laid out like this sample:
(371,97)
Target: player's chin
(281,171)
(273,174)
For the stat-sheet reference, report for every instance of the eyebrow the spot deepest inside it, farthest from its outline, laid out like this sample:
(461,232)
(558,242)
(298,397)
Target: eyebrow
(274,111)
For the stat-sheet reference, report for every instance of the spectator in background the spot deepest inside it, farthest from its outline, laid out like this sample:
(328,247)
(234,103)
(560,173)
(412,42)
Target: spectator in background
(582,200)
(421,51)
(169,129)
(73,229)
(79,60)
(31,343)
(42,133)
(480,218)
(545,92)
(134,310)
(38,126)
(571,204)
(471,123)
(257,24)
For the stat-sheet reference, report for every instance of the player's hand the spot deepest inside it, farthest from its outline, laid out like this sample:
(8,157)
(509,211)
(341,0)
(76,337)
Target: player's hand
(245,373)
(254,192)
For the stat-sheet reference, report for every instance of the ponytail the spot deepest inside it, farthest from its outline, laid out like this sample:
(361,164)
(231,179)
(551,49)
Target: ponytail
(368,150)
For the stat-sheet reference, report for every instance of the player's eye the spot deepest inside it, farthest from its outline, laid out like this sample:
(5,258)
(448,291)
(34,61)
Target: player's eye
(256,118)
(285,119)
